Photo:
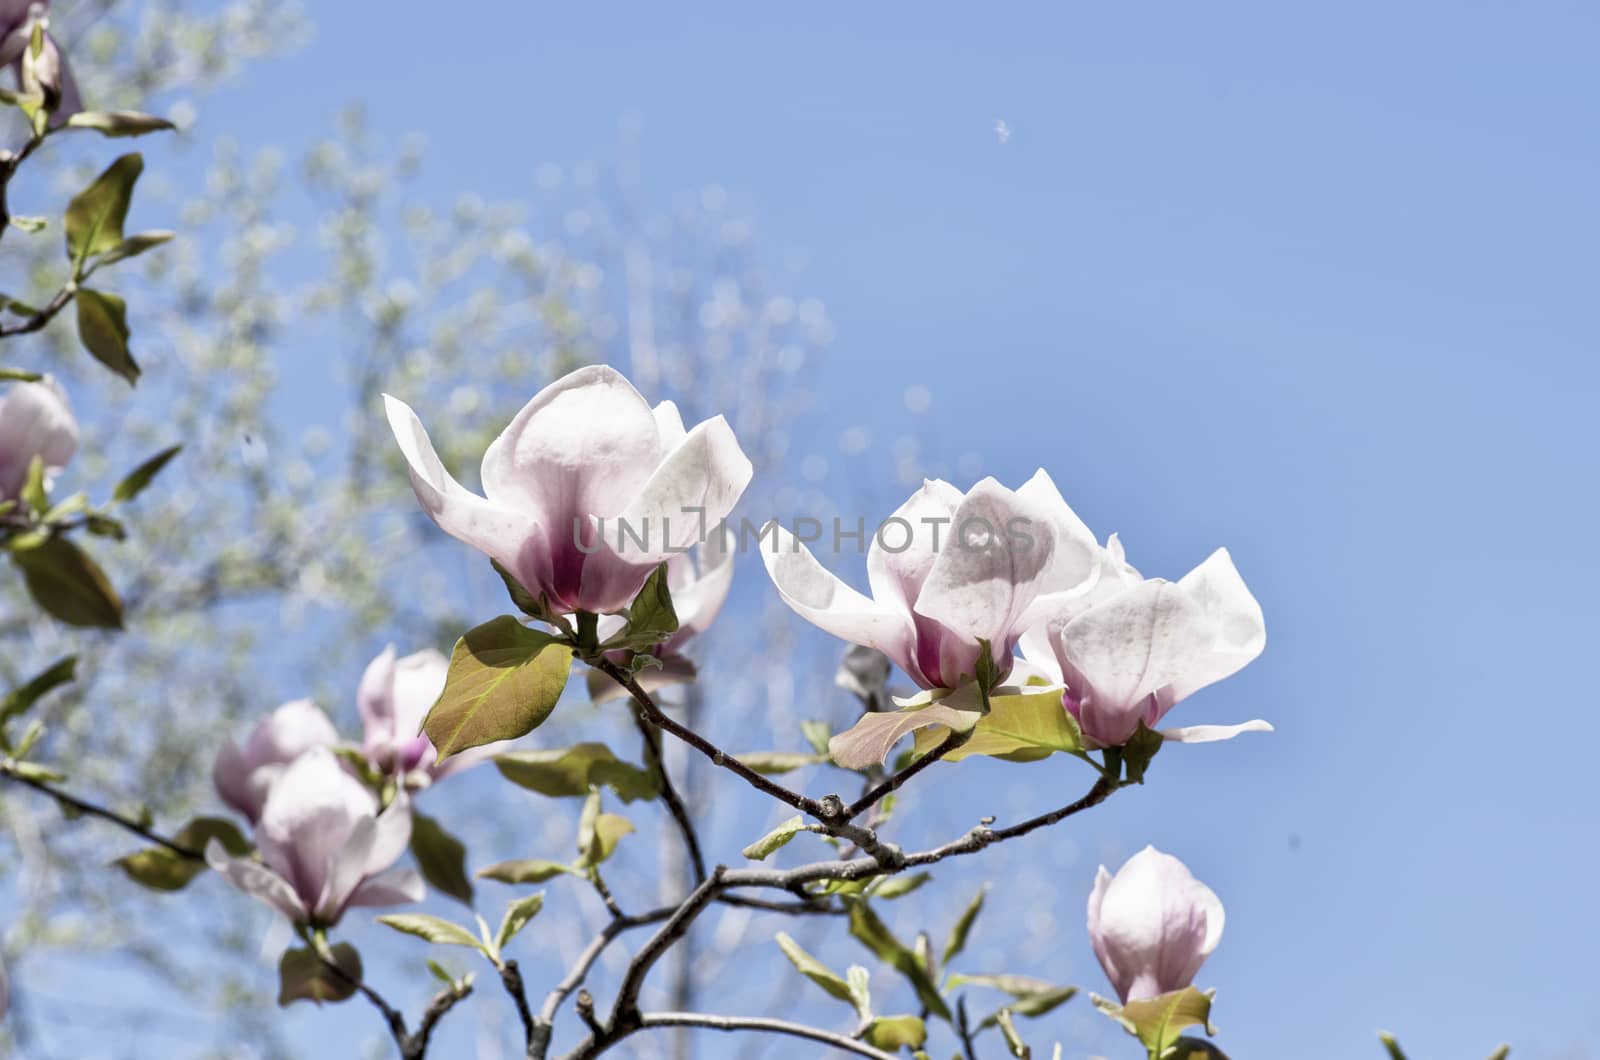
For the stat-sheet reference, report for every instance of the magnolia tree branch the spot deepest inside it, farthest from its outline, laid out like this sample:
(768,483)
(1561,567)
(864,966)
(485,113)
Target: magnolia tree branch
(83,806)
(761,1023)
(669,795)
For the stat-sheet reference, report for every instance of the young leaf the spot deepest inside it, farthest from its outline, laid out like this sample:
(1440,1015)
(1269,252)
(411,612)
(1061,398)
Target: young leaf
(1159,1021)
(574,770)
(899,886)
(103,330)
(772,763)
(816,733)
(894,1032)
(1391,1046)
(963,926)
(518,914)
(432,928)
(441,857)
(876,936)
(814,969)
(503,682)
(525,601)
(1138,752)
(136,480)
(61,672)
(651,618)
(161,869)
(34,491)
(118,122)
(1018,727)
(95,216)
(69,585)
(608,829)
(532,870)
(302,975)
(135,245)
(778,837)
(1014,1042)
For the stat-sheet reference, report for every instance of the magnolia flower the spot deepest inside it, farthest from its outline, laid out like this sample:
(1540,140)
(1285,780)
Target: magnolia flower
(1152,925)
(587,490)
(324,845)
(393,697)
(1132,648)
(243,776)
(35,421)
(946,571)
(50,69)
(699,584)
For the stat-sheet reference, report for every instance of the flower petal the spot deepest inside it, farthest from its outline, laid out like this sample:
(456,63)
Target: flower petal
(693,490)
(924,522)
(820,598)
(1212,733)
(698,600)
(398,886)
(1077,554)
(869,741)
(375,699)
(256,880)
(346,868)
(1239,631)
(510,536)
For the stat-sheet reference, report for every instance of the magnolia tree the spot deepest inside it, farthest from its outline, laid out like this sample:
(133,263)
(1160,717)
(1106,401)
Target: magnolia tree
(614,528)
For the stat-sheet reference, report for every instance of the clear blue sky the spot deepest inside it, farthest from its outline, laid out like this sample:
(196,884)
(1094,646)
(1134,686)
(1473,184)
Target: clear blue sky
(1316,283)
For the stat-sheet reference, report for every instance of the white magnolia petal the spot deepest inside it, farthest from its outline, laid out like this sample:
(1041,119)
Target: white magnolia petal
(1239,631)
(819,597)
(1133,644)
(693,490)
(669,426)
(418,680)
(375,698)
(918,530)
(1076,557)
(1212,733)
(346,868)
(398,886)
(583,446)
(499,532)
(991,570)
(256,880)
(700,599)
(391,836)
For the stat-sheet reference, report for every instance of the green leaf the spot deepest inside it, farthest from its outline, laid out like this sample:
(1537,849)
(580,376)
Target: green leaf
(1014,1042)
(518,914)
(103,330)
(17,375)
(773,840)
(161,869)
(1391,1046)
(814,969)
(503,682)
(432,928)
(35,771)
(1499,1054)
(876,936)
(19,699)
(895,1032)
(899,886)
(1019,727)
(34,491)
(963,926)
(573,771)
(525,601)
(651,618)
(1200,1049)
(302,976)
(441,857)
(860,982)
(118,123)
(598,833)
(772,763)
(1158,1022)
(136,480)
(69,585)
(95,216)
(532,870)
(1034,997)
(816,733)
(135,245)
(868,742)
(1139,750)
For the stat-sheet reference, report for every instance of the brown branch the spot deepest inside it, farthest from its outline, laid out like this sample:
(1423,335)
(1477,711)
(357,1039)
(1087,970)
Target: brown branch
(892,784)
(83,806)
(669,795)
(761,1023)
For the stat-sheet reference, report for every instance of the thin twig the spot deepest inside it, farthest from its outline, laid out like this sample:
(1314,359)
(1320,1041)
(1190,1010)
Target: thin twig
(761,1023)
(872,797)
(90,809)
(669,795)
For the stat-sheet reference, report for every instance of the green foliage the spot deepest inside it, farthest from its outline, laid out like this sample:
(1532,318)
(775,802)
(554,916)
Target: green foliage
(441,857)
(575,770)
(518,914)
(65,582)
(598,833)
(1020,727)
(775,839)
(103,329)
(135,481)
(19,699)
(531,870)
(651,617)
(963,926)
(118,123)
(897,1032)
(436,930)
(95,216)
(774,763)
(813,969)
(303,976)
(503,682)
(1158,1022)
(161,869)
(872,933)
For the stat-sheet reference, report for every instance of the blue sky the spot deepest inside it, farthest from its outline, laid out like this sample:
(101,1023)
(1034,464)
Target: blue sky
(1312,283)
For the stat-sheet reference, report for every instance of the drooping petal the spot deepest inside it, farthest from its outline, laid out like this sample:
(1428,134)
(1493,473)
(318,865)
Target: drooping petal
(398,886)
(1238,629)
(820,598)
(511,536)
(1212,733)
(256,880)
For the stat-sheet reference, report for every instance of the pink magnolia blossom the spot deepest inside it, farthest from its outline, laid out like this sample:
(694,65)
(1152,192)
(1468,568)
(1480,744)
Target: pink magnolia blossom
(1152,925)
(946,571)
(243,776)
(324,845)
(394,697)
(17,18)
(586,491)
(1130,648)
(35,420)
